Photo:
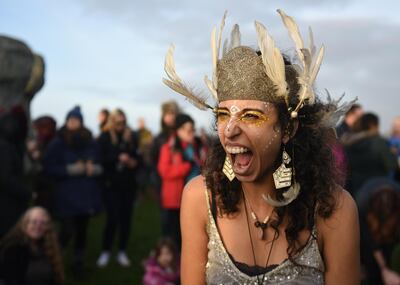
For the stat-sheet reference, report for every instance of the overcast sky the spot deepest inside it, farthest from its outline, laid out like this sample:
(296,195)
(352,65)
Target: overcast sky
(110,53)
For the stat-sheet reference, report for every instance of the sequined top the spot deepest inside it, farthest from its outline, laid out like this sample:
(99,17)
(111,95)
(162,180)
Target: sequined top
(220,268)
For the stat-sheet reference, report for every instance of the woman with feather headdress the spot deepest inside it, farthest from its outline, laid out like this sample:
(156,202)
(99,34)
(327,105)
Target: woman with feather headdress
(268,208)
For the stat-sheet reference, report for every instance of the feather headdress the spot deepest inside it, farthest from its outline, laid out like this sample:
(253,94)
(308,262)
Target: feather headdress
(336,110)
(242,74)
(273,61)
(234,42)
(176,84)
(215,48)
(310,63)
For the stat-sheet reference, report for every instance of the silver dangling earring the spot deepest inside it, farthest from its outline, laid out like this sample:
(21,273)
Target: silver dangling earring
(283,178)
(228,169)
(283,175)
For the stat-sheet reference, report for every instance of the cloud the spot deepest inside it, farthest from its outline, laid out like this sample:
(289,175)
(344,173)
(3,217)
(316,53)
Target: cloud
(115,49)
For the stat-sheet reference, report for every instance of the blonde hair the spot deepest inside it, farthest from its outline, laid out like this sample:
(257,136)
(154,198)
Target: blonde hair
(110,126)
(50,240)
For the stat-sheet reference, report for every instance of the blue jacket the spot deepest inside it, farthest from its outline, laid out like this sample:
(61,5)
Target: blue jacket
(75,194)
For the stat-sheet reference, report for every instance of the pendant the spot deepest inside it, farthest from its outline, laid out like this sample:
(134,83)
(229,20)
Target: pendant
(262,227)
(261,234)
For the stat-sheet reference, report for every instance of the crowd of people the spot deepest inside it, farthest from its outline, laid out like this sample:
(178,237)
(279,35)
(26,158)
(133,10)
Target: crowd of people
(372,168)
(66,176)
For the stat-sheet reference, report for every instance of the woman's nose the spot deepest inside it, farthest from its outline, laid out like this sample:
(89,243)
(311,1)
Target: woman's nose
(232,128)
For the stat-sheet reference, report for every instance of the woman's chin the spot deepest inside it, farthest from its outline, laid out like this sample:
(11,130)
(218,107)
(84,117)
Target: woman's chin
(246,176)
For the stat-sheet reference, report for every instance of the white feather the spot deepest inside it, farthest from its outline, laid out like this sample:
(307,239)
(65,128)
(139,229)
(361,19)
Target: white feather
(225,47)
(211,87)
(294,33)
(216,39)
(311,43)
(310,63)
(336,110)
(219,36)
(176,84)
(272,59)
(235,37)
(214,55)
(316,65)
(234,41)
(169,65)
(289,196)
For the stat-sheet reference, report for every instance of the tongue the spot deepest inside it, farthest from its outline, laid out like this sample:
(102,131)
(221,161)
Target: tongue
(243,159)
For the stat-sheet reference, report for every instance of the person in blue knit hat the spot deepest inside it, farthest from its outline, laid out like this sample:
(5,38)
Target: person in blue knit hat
(72,161)
(75,113)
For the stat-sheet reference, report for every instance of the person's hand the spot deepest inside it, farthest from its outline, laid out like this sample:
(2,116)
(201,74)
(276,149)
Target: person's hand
(131,163)
(390,277)
(35,154)
(89,168)
(31,145)
(80,166)
(124,157)
(77,168)
(33,149)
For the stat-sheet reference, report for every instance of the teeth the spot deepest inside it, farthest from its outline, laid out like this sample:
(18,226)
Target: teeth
(236,150)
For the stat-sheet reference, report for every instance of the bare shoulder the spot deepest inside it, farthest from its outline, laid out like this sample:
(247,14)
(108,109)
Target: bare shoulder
(194,232)
(339,237)
(345,208)
(194,197)
(344,217)
(195,189)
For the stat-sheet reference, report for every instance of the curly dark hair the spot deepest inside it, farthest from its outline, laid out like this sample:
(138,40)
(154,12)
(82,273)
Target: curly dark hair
(314,165)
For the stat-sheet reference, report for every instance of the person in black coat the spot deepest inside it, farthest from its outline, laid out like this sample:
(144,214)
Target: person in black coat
(44,129)
(14,194)
(29,253)
(120,160)
(71,160)
(368,154)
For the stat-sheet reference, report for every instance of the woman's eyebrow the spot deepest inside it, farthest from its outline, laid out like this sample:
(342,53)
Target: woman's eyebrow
(252,109)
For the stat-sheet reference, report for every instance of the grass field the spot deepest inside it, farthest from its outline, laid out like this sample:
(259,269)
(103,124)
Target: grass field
(144,233)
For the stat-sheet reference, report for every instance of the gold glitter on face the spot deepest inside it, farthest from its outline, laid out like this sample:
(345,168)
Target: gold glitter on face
(248,116)
(251,126)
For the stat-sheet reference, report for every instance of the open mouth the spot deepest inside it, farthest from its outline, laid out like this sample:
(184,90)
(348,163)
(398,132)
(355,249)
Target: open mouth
(241,158)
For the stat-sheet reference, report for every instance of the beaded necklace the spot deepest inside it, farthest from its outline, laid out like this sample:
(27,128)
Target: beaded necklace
(262,226)
(259,281)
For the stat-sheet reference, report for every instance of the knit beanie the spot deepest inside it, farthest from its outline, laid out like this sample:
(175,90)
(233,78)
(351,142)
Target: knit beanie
(76,113)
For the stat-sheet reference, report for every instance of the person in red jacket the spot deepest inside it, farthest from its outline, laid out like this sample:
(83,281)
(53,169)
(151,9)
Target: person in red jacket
(178,163)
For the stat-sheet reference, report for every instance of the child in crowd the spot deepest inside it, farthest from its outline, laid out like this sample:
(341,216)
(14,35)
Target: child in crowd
(162,267)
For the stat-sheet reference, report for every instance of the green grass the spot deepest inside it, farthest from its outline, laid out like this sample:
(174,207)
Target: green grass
(145,231)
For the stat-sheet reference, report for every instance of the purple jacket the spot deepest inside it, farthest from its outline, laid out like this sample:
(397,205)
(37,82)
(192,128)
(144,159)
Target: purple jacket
(157,275)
